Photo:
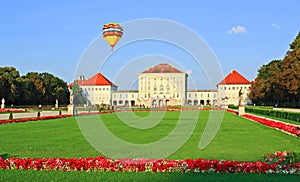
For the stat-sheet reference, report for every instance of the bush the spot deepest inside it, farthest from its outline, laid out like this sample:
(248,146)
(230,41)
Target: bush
(10,116)
(294,116)
(38,114)
(231,106)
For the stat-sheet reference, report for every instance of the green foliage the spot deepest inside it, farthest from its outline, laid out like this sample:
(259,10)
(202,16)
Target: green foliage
(32,88)
(78,98)
(278,82)
(38,114)
(10,116)
(231,106)
(293,116)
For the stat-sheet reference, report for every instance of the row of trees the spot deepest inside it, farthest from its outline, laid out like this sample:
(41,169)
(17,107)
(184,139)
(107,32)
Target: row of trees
(278,82)
(31,89)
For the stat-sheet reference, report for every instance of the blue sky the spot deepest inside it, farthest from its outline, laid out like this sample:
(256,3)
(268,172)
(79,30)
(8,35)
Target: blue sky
(51,36)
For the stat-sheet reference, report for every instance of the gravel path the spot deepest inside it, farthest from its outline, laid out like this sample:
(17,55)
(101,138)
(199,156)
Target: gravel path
(287,109)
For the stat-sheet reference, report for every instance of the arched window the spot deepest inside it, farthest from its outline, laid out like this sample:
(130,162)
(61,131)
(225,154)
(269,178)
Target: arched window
(161,88)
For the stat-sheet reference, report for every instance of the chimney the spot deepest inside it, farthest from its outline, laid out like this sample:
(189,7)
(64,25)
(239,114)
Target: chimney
(81,77)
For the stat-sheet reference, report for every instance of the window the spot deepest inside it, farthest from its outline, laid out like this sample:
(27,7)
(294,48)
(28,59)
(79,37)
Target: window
(195,95)
(168,88)
(132,96)
(207,95)
(189,95)
(154,88)
(161,88)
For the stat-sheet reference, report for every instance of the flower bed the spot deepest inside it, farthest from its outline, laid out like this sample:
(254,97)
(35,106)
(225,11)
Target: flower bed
(285,127)
(152,165)
(12,110)
(33,119)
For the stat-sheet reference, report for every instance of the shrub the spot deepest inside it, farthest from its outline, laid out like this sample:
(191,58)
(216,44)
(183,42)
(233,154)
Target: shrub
(231,106)
(294,116)
(10,116)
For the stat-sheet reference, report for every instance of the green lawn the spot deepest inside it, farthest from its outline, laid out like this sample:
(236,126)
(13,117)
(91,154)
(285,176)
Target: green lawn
(237,139)
(20,175)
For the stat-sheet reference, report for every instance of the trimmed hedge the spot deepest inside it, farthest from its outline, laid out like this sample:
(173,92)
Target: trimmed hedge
(231,106)
(294,116)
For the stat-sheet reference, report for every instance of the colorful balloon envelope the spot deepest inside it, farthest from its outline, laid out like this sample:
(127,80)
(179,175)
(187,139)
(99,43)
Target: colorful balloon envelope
(112,32)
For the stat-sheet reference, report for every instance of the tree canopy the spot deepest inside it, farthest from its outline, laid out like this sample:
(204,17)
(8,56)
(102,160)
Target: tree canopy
(278,82)
(78,98)
(31,89)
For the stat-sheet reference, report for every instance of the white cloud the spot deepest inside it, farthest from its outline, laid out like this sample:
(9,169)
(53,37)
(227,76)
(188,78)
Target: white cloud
(276,26)
(237,30)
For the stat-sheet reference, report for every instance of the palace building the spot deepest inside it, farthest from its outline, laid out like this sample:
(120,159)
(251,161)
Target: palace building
(164,85)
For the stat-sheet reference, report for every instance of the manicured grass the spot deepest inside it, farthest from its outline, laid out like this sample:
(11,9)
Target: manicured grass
(20,175)
(237,139)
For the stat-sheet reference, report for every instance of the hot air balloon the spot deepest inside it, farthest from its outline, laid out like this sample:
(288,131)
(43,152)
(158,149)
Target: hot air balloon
(112,32)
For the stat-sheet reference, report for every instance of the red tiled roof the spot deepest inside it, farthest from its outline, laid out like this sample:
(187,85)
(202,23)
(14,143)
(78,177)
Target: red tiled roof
(234,78)
(162,68)
(97,79)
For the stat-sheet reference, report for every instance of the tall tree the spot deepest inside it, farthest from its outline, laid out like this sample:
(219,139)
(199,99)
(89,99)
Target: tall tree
(291,71)
(78,98)
(8,82)
(278,82)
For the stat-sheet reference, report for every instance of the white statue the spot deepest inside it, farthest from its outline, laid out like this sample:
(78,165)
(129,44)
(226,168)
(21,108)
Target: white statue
(3,103)
(56,104)
(71,99)
(241,98)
